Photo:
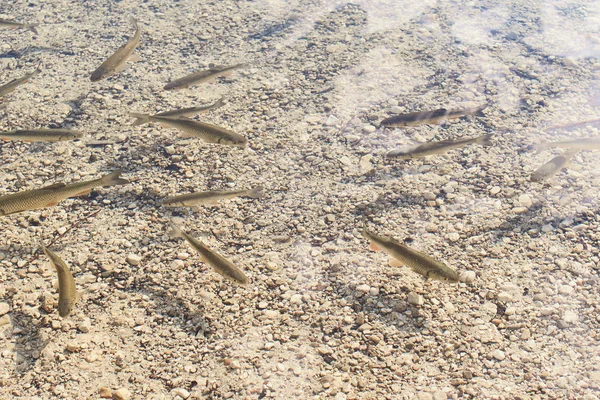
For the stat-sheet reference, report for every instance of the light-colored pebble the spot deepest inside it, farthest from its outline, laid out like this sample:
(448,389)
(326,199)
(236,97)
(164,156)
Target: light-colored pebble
(122,394)
(498,354)
(415,299)
(4,308)
(133,259)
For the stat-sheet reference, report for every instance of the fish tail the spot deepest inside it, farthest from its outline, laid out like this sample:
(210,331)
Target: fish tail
(134,22)
(570,153)
(219,103)
(176,231)
(478,111)
(114,179)
(31,27)
(140,119)
(256,193)
(485,140)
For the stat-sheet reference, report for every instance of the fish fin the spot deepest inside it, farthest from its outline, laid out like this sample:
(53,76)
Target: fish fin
(82,193)
(53,203)
(54,186)
(134,58)
(113,179)
(218,103)
(175,231)
(31,27)
(485,140)
(6,139)
(140,118)
(121,68)
(374,246)
(478,111)
(256,193)
(395,263)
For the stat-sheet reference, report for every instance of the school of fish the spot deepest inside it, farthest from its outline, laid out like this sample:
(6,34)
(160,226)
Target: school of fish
(179,119)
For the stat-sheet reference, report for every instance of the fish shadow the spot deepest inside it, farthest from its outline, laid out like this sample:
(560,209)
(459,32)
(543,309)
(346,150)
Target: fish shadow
(28,343)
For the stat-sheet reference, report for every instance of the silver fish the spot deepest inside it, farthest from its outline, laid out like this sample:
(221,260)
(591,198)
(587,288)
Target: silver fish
(552,167)
(12,85)
(430,117)
(210,197)
(579,144)
(421,263)
(202,76)
(439,147)
(116,62)
(41,135)
(183,112)
(206,132)
(219,263)
(67,291)
(17,25)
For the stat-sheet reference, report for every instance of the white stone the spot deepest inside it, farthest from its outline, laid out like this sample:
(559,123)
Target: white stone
(296,299)
(566,289)
(133,259)
(570,317)
(369,129)
(467,276)
(504,297)
(4,308)
(415,299)
(85,325)
(332,120)
(363,289)
(498,355)
(181,392)
(525,200)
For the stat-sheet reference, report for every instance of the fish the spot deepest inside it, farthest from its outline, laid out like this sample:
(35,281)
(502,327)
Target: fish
(50,196)
(211,197)
(184,112)
(553,166)
(420,263)
(206,132)
(116,63)
(67,291)
(17,25)
(430,117)
(202,76)
(430,148)
(41,135)
(592,143)
(219,263)
(12,85)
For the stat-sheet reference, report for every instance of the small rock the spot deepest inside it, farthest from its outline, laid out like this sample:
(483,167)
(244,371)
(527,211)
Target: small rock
(369,129)
(504,297)
(262,305)
(566,289)
(332,120)
(440,395)
(181,392)
(429,196)
(104,392)
(415,299)
(525,200)
(133,259)
(85,325)
(340,396)
(4,308)
(363,289)
(498,354)
(519,210)
(570,317)
(467,277)
(122,394)
(495,190)
(453,236)
(73,347)
(296,299)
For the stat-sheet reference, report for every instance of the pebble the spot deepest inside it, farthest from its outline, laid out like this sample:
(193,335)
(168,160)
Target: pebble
(296,299)
(505,297)
(440,395)
(85,325)
(262,305)
(181,392)
(105,393)
(566,289)
(570,317)
(369,129)
(525,200)
(363,289)
(519,210)
(4,308)
(332,120)
(133,259)
(122,394)
(498,354)
(495,190)
(467,277)
(415,299)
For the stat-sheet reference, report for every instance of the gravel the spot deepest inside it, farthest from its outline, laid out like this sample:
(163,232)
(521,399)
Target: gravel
(323,316)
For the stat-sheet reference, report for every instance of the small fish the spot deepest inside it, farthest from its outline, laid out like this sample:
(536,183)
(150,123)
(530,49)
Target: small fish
(17,25)
(439,147)
(67,292)
(219,263)
(50,196)
(184,112)
(116,63)
(41,135)
(202,76)
(207,132)
(12,85)
(552,167)
(579,144)
(421,263)
(211,197)
(430,117)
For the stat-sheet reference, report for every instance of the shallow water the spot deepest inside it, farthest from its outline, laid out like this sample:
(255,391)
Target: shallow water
(323,316)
